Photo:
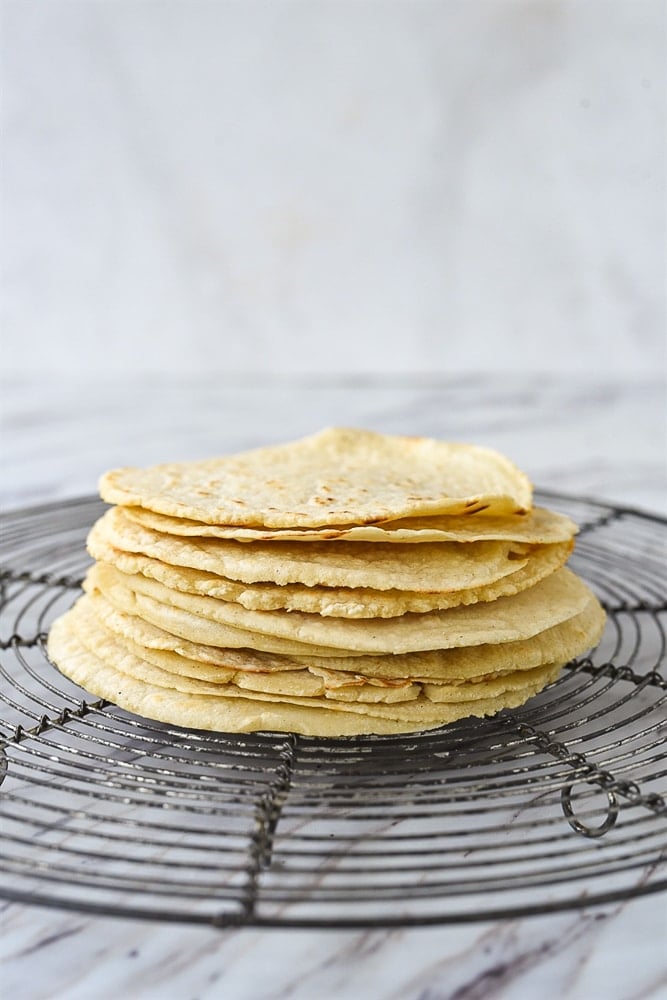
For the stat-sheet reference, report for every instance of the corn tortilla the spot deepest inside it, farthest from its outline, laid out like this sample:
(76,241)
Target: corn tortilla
(558,644)
(433,566)
(336,602)
(537,526)
(262,712)
(555,599)
(348,583)
(339,476)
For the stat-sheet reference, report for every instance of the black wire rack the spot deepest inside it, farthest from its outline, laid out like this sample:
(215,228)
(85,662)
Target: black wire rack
(553,806)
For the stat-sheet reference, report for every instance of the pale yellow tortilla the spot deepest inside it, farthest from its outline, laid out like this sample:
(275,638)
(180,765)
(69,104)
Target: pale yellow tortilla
(189,675)
(555,599)
(196,630)
(339,476)
(537,527)
(344,584)
(215,658)
(336,602)
(200,711)
(261,712)
(129,658)
(440,566)
(558,644)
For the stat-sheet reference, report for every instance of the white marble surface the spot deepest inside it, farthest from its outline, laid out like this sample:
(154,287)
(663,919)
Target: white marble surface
(369,185)
(600,438)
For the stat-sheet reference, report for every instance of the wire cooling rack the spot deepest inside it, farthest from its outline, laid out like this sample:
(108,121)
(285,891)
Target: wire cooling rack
(553,806)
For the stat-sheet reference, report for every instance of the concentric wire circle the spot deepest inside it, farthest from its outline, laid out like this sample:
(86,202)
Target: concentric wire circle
(557,805)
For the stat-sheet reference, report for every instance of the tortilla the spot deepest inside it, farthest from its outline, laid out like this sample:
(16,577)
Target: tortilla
(262,712)
(147,634)
(538,526)
(433,566)
(558,644)
(348,583)
(337,602)
(559,597)
(339,476)
(188,674)
(196,630)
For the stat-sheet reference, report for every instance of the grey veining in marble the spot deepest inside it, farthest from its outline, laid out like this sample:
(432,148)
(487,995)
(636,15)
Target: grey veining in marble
(615,953)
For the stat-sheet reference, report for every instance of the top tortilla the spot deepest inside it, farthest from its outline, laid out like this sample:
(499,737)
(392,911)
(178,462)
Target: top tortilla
(336,477)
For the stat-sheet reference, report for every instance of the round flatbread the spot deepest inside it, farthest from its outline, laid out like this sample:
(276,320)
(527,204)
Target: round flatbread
(558,644)
(432,566)
(336,602)
(348,583)
(339,476)
(198,631)
(555,599)
(537,527)
(261,712)
(188,675)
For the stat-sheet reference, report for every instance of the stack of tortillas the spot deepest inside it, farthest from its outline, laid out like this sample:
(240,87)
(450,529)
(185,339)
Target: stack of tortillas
(347,583)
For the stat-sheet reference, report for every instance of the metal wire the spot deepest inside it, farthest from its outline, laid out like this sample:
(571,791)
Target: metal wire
(556,805)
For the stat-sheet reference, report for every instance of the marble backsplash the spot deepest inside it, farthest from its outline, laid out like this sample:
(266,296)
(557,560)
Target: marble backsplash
(368,186)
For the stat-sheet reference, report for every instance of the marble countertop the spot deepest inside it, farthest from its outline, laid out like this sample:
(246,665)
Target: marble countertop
(600,439)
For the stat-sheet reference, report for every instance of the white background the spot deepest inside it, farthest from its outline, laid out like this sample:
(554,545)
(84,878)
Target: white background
(362,186)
